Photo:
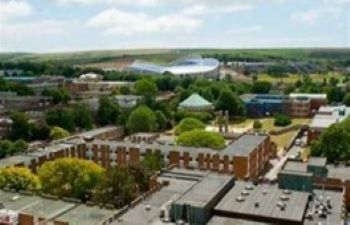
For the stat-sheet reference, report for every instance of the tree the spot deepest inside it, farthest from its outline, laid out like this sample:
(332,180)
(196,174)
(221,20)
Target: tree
(125,90)
(142,119)
(82,116)
(118,187)
(107,112)
(61,117)
(20,128)
(282,120)
(333,143)
(70,177)
(146,87)
(231,102)
(40,131)
(346,99)
(201,138)
(257,125)
(19,146)
(5,148)
(188,124)
(161,120)
(58,95)
(261,87)
(18,178)
(58,133)
(152,161)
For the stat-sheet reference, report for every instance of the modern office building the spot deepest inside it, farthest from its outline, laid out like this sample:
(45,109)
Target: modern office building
(193,66)
(295,105)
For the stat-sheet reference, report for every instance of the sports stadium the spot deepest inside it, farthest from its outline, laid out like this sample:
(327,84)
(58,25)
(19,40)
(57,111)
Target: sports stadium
(192,66)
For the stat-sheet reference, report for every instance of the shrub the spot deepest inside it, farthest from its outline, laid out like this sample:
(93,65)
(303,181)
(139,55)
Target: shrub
(257,125)
(70,177)
(282,120)
(201,138)
(18,178)
(189,124)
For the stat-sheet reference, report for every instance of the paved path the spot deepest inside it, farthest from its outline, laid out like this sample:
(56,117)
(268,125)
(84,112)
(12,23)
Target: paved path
(279,163)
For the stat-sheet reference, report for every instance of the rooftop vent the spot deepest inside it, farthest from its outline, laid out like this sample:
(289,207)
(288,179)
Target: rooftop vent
(245,193)
(148,207)
(256,204)
(249,187)
(240,199)
(287,192)
(284,198)
(264,192)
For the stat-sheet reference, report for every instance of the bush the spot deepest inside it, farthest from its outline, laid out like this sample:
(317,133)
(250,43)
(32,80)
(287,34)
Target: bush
(58,133)
(18,178)
(257,125)
(70,177)
(189,124)
(202,116)
(201,138)
(282,120)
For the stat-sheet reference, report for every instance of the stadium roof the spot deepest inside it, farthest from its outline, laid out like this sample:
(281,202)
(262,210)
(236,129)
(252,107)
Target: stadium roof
(188,65)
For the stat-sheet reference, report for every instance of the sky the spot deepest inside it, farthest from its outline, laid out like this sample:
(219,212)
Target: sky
(74,25)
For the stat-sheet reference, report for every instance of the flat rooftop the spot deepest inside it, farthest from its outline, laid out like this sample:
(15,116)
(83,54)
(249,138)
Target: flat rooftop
(334,211)
(15,160)
(205,190)
(247,201)
(340,171)
(295,166)
(86,215)
(244,145)
(35,205)
(317,161)
(218,220)
(157,201)
(51,209)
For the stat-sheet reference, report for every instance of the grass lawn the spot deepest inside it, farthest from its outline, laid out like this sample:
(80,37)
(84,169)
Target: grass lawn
(294,77)
(283,139)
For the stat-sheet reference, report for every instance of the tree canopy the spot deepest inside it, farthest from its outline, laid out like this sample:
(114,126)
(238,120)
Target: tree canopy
(201,138)
(334,143)
(20,128)
(70,177)
(61,117)
(142,119)
(58,133)
(18,178)
(188,124)
(107,112)
(82,116)
(146,87)
(231,102)
(8,147)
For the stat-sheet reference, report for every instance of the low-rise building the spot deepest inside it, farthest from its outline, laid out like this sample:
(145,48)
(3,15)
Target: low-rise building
(325,117)
(11,101)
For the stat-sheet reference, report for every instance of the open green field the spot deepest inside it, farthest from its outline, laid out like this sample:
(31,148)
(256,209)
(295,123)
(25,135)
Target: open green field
(292,78)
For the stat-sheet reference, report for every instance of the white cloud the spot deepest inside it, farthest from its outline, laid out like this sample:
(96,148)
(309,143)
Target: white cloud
(246,30)
(204,9)
(310,16)
(14,9)
(108,2)
(115,21)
